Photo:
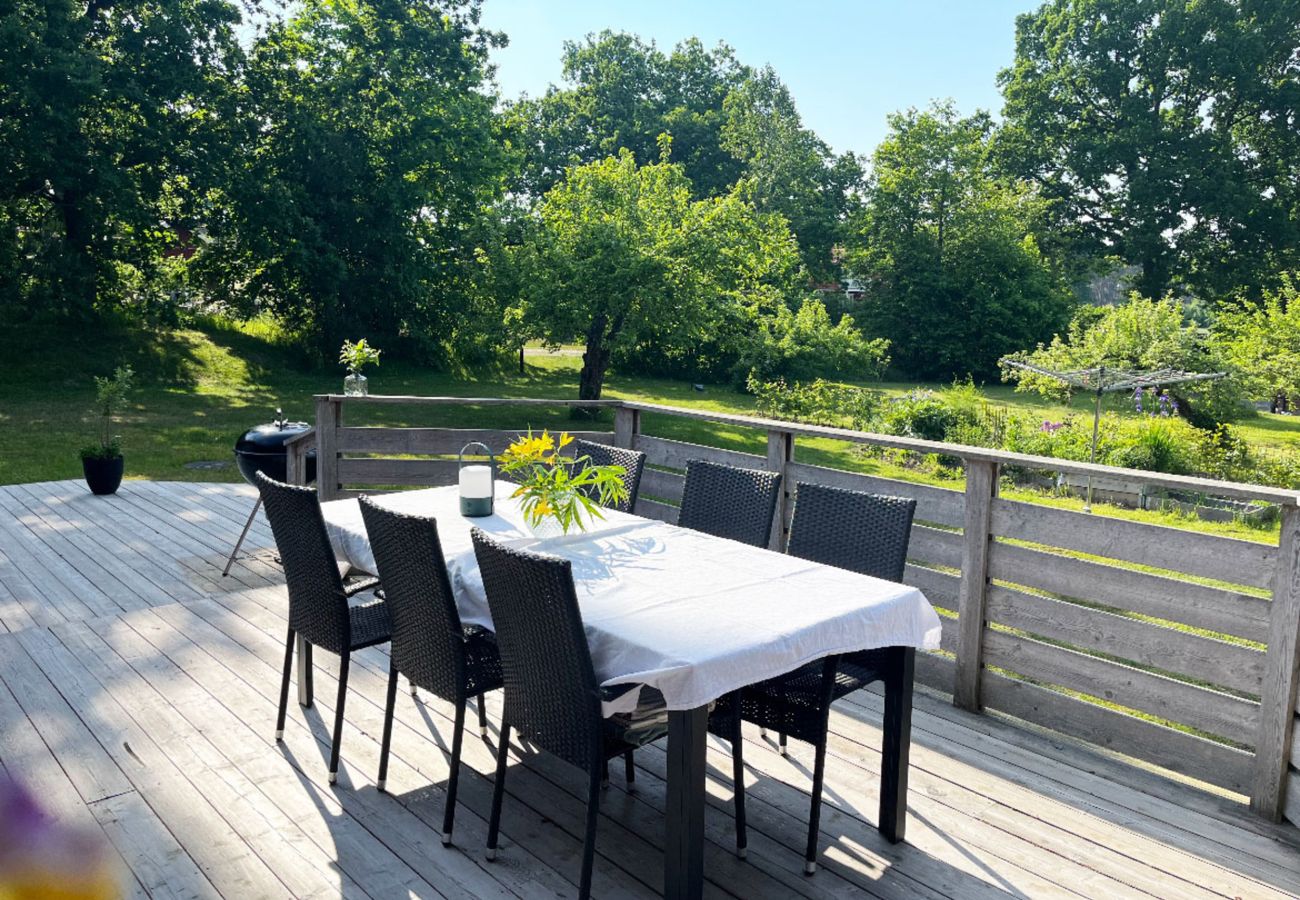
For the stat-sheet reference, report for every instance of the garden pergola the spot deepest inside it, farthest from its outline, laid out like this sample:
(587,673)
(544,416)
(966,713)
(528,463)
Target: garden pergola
(1108,380)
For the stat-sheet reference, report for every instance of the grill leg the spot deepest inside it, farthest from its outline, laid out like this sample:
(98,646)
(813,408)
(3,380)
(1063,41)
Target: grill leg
(498,790)
(344,661)
(243,534)
(284,685)
(388,728)
(449,814)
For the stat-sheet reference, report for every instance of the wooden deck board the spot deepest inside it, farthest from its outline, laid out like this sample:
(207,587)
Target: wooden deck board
(137,697)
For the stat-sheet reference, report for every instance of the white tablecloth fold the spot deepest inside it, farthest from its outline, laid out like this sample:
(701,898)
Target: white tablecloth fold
(691,615)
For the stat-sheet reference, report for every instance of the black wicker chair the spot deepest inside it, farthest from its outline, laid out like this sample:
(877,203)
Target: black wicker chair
(319,610)
(729,502)
(862,532)
(632,461)
(430,645)
(552,697)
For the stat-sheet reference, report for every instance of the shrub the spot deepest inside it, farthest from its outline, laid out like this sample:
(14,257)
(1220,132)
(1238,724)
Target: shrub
(820,402)
(919,414)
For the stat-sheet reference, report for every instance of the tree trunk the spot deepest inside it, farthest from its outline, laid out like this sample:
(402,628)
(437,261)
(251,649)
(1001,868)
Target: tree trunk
(595,361)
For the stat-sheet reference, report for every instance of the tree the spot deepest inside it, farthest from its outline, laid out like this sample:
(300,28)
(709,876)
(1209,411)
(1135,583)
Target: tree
(1164,133)
(789,170)
(1263,342)
(356,195)
(947,251)
(623,256)
(623,93)
(107,138)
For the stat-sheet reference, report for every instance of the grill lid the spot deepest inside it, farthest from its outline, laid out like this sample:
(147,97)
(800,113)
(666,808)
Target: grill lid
(271,437)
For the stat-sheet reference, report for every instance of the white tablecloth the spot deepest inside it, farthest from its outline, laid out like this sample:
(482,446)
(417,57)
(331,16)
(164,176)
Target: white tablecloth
(692,615)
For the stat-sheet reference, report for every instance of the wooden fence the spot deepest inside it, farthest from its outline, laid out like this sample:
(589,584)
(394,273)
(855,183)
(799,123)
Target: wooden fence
(1175,647)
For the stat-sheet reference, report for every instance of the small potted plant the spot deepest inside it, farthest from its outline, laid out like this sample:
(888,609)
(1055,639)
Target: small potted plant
(559,493)
(356,355)
(102,461)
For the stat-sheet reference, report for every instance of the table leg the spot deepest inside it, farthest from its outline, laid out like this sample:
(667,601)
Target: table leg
(897,743)
(684,841)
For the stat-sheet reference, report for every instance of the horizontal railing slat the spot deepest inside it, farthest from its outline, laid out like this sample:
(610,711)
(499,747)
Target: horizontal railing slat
(1210,711)
(933,545)
(661,484)
(1144,643)
(1291,806)
(940,588)
(417,400)
(935,671)
(1176,750)
(675,454)
(941,505)
(430,441)
(414,472)
(653,509)
(1215,609)
(1196,553)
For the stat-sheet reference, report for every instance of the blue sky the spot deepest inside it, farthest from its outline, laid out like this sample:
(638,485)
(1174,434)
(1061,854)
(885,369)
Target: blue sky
(847,63)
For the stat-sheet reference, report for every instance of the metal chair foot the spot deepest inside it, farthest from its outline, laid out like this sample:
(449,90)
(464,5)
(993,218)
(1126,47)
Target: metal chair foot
(446,838)
(381,785)
(491,853)
(415,692)
(742,853)
(482,731)
(279,735)
(334,777)
(809,868)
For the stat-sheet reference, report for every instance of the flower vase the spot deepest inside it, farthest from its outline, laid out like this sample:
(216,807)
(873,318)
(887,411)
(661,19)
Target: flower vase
(546,527)
(355,385)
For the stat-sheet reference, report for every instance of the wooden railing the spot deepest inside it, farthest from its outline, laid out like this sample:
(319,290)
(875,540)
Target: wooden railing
(1175,647)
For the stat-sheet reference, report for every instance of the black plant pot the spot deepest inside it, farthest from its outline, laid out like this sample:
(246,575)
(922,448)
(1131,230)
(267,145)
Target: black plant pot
(103,476)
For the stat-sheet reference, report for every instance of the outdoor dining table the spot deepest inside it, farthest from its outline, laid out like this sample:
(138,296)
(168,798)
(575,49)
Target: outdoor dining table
(695,617)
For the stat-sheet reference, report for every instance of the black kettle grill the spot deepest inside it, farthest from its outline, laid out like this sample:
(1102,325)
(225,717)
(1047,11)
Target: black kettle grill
(262,449)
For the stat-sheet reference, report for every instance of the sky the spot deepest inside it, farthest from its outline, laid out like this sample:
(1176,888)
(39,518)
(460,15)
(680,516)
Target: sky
(848,63)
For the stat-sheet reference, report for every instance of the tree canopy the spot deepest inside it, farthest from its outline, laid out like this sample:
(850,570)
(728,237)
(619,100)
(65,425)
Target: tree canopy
(951,269)
(1165,133)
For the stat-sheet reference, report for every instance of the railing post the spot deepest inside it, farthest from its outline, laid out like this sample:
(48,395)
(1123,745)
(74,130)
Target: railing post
(296,463)
(329,412)
(981,488)
(1281,675)
(627,425)
(780,450)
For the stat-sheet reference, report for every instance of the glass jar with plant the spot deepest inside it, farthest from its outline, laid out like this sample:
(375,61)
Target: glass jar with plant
(559,493)
(356,355)
(102,461)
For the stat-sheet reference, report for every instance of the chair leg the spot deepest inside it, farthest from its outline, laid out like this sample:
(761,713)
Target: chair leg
(815,812)
(629,771)
(458,735)
(784,751)
(306,690)
(498,790)
(738,779)
(388,728)
(589,840)
(344,660)
(482,717)
(284,686)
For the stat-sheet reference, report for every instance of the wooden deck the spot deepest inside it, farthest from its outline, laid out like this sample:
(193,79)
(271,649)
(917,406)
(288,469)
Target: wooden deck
(137,696)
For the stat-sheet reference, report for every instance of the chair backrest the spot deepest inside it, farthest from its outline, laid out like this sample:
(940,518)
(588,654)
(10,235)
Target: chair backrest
(866,533)
(428,642)
(729,502)
(552,697)
(318,606)
(632,461)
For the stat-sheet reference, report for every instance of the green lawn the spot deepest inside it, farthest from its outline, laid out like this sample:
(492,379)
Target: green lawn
(199,389)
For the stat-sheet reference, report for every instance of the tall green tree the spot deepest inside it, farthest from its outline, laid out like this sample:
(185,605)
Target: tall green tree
(355,200)
(947,252)
(624,255)
(1262,342)
(623,93)
(1165,133)
(107,143)
(790,170)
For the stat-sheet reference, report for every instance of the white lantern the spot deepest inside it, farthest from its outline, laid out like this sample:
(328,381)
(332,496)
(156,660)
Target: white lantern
(477,483)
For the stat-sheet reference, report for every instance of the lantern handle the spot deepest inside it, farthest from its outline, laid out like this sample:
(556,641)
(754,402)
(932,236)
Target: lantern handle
(492,460)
